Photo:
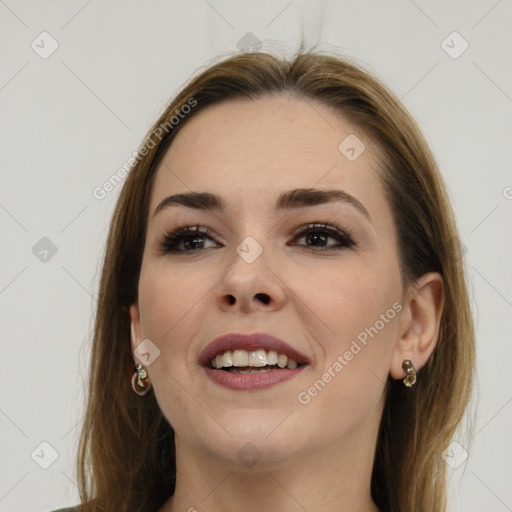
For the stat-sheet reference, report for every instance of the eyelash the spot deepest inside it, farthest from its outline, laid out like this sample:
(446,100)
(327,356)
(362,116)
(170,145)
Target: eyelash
(170,241)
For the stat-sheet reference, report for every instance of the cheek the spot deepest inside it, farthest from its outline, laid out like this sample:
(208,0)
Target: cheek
(169,302)
(355,317)
(344,301)
(167,296)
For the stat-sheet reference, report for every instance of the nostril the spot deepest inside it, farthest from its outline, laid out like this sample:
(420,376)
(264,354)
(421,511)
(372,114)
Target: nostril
(263,297)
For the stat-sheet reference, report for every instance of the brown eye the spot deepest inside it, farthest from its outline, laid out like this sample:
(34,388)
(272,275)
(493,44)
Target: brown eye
(317,236)
(186,239)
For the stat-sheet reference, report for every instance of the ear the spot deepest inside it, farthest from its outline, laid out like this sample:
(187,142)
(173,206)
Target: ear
(419,323)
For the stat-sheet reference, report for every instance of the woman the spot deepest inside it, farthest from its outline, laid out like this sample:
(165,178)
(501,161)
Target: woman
(283,322)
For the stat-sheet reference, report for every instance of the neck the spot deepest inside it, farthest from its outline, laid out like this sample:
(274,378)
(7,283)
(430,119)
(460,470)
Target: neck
(332,478)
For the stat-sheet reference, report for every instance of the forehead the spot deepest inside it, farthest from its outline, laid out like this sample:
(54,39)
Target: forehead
(256,149)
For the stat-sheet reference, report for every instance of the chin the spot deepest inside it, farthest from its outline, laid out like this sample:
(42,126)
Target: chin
(252,440)
(252,455)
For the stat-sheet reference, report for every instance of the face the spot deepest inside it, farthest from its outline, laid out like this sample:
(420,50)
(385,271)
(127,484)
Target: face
(320,273)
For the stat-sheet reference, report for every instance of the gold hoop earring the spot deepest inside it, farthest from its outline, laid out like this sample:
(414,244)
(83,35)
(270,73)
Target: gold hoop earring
(140,375)
(410,378)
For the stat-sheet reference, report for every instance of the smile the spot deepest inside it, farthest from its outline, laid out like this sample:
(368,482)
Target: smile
(243,361)
(250,362)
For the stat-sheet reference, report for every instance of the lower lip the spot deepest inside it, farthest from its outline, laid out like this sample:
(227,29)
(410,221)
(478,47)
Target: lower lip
(251,381)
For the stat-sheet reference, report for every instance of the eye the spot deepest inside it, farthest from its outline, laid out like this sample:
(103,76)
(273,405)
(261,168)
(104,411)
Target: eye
(194,238)
(186,239)
(317,234)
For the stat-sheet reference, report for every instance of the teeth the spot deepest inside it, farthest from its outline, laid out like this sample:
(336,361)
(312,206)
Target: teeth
(291,364)
(260,358)
(227,359)
(240,358)
(241,370)
(272,357)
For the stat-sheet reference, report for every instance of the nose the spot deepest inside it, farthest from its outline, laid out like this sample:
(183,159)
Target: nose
(248,287)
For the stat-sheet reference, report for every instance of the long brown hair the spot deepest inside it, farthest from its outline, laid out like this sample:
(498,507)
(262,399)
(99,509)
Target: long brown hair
(126,457)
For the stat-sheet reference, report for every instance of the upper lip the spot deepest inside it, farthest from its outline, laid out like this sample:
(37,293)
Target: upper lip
(249,342)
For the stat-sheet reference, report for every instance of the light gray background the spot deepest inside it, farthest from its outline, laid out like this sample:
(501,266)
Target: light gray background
(70,120)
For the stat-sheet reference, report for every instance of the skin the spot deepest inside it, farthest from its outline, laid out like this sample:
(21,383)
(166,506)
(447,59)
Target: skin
(316,456)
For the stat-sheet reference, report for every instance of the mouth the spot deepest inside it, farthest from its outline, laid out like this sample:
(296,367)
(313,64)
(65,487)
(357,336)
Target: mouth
(255,361)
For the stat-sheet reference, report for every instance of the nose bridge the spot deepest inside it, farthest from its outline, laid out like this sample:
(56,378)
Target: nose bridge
(248,282)
(253,232)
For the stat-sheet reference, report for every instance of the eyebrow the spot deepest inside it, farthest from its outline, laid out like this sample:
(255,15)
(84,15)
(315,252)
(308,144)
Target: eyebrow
(296,198)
